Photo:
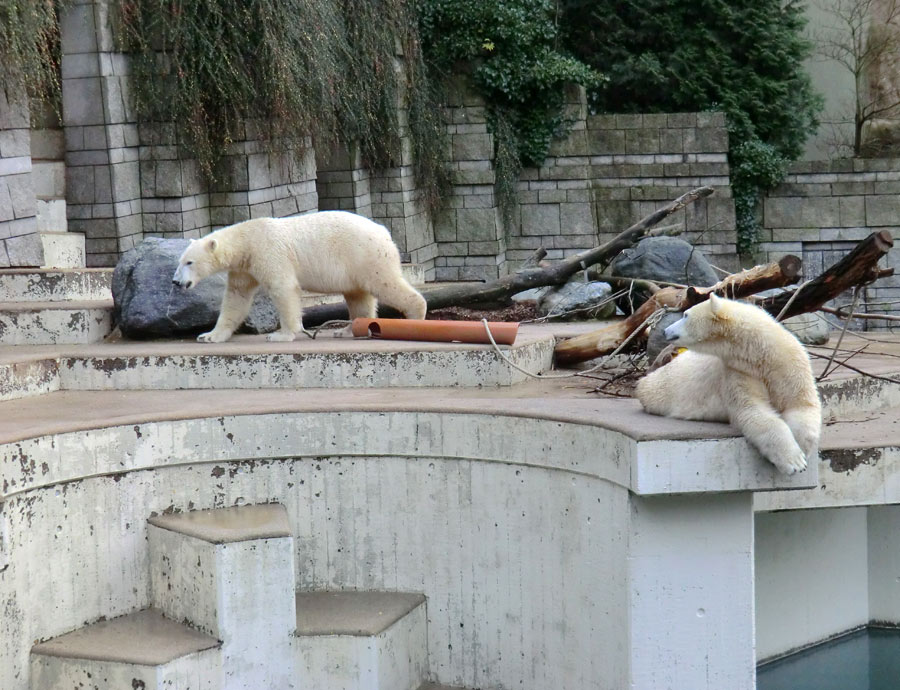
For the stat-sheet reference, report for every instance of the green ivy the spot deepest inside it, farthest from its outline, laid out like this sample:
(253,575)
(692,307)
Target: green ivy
(510,48)
(742,57)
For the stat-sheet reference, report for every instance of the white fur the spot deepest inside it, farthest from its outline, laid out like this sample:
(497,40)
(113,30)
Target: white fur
(743,367)
(327,252)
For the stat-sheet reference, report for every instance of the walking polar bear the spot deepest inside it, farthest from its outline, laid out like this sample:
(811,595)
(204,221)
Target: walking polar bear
(328,252)
(742,367)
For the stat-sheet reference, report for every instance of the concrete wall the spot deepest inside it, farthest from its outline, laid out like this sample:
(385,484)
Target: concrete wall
(824,208)
(823,572)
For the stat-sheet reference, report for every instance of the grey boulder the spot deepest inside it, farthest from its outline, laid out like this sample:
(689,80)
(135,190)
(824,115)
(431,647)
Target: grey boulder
(148,305)
(667,259)
(576,300)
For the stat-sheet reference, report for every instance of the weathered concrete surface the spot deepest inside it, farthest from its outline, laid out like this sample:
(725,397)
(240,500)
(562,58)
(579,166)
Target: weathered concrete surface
(232,581)
(691,592)
(33,285)
(141,650)
(372,640)
(44,323)
(21,379)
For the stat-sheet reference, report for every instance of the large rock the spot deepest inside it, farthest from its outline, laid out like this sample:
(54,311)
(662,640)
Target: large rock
(576,301)
(149,305)
(667,259)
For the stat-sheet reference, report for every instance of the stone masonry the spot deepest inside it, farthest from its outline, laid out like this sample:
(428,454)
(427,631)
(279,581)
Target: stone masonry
(19,243)
(824,208)
(608,173)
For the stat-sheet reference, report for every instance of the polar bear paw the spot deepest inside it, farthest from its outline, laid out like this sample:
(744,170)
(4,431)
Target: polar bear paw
(213,337)
(280,337)
(795,461)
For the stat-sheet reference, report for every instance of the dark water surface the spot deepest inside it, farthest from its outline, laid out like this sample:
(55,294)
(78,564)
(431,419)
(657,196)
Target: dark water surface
(865,660)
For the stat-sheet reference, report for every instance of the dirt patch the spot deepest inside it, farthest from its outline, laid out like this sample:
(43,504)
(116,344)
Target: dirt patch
(518,311)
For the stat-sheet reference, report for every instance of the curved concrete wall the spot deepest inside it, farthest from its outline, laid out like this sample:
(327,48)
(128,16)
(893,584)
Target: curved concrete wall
(515,529)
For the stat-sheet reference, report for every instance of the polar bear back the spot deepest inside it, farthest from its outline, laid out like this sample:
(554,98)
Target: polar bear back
(325,250)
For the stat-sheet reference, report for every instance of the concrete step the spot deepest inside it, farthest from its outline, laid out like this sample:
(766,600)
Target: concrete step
(230,574)
(141,650)
(438,686)
(63,249)
(47,323)
(27,377)
(372,640)
(48,285)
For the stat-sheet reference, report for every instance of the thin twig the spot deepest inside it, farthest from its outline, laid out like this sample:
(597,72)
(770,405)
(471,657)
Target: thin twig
(856,292)
(860,371)
(791,300)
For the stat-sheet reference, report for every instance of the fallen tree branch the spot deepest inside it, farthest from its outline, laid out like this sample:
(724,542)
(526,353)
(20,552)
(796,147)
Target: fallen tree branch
(858,268)
(502,288)
(604,340)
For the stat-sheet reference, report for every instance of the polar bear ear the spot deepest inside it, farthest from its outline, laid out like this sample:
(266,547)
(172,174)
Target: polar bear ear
(212,245)
(716,304)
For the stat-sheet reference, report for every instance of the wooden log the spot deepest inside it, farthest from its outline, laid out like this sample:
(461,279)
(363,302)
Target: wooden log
(605,340)
(859,267)
(503,288)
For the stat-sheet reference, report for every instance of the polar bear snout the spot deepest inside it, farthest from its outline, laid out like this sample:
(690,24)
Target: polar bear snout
(675,331)
(182,278)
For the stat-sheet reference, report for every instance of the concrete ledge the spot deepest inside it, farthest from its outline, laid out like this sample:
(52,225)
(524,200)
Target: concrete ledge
(33,285)
(352,613)
(144,638)
(44,323)
(228,525)
(63,249)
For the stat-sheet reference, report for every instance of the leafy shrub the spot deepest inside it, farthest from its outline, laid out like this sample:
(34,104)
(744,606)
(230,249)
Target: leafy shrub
(743,57)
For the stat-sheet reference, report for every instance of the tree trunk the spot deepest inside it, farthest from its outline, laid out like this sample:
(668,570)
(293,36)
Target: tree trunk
(605,340)
(503,288)
(859,267)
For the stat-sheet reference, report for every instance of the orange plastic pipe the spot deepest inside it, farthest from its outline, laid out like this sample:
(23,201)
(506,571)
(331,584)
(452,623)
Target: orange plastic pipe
(435,331)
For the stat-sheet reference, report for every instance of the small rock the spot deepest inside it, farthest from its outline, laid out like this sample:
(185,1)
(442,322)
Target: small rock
(577,301)
(668,259)
(532,295)
(149,305)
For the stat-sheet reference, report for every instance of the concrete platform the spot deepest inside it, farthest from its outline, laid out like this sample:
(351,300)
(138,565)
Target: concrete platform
(33,285)
(352,613)
(228,525)
(145,638)
(44,323)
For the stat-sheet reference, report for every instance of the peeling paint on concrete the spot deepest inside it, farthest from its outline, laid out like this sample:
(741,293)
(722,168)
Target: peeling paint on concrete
(847,459)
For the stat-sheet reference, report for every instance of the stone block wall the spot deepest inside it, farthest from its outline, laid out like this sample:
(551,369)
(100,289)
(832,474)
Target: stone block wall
(125,182)
(469,231)
(607,174)
(19,243)
(823,208)
(613,170)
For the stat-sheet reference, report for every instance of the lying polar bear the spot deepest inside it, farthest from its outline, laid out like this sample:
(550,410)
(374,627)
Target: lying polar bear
(327,252)
(742,367)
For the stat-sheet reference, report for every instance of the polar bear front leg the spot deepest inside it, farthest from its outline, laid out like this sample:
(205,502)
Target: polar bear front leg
(236,304)
(286,299)
(750,411)
(805,424)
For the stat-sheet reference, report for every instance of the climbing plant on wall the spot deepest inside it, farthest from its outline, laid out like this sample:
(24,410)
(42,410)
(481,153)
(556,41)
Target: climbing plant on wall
(29,50)
(743,57)
(510,48)
(319,68)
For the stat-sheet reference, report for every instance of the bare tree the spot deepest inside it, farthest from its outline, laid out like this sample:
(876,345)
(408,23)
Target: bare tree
(863,36)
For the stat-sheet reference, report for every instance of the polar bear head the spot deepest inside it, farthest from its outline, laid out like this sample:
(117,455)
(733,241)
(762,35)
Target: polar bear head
(702,322)
(198,261)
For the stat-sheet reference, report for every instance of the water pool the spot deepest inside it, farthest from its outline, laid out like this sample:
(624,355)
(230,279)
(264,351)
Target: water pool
(865,660)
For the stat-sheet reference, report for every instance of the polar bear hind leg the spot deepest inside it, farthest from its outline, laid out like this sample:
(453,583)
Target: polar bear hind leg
(805,424)
(757,420)
(401,295)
